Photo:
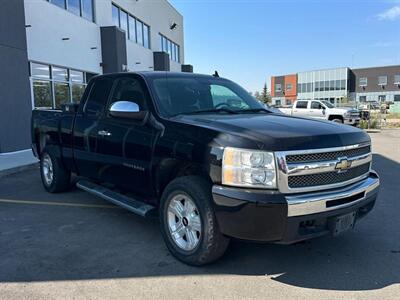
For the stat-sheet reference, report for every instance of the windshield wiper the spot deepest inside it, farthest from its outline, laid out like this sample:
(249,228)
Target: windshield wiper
(254,110)
(215,110)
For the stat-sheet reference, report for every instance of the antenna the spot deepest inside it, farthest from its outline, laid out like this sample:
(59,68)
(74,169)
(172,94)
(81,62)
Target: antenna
(216,74)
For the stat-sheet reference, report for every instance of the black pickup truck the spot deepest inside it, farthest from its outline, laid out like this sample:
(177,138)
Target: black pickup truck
(212,161)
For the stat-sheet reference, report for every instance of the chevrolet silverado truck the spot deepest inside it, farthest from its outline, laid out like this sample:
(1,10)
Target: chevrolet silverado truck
(324,110)
(208,160)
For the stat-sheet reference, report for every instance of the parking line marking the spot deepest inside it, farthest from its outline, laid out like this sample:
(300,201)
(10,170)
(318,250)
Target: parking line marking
(58,204)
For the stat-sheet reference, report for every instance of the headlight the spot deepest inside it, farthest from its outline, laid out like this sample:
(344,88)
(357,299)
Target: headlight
(248,168)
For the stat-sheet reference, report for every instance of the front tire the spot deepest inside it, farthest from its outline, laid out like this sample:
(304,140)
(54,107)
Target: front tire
(188,222)
(337,120)
(54,178)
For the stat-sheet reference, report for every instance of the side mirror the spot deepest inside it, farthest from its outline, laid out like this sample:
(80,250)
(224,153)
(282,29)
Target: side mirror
(127,110)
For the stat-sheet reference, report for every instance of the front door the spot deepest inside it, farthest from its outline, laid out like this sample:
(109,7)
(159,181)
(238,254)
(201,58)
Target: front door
(125,145)
(316,110)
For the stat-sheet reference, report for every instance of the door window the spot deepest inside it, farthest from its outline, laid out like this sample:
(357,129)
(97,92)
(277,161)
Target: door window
(129,89)
(316,105)
(301,104)
(98,96)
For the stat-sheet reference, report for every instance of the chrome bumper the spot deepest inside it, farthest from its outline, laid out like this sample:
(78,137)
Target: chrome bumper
(311,203)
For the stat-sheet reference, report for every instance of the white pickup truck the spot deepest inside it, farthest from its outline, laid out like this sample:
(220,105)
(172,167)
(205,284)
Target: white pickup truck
(320,109)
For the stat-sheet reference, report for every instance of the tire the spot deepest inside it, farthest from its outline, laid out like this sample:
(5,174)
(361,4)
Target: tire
(210,243)
(336,120)
(54,178)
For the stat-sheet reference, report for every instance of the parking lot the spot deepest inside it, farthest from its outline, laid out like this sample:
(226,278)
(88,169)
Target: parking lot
(75,245)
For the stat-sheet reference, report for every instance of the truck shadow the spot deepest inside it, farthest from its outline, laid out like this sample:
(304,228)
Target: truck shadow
(55,242)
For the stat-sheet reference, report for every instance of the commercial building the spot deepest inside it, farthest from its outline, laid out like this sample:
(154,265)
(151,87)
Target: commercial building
(49,49)
(284,89)
(340,85)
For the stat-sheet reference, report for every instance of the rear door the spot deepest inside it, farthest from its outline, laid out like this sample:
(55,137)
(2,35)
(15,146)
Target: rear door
(125,147)
(301,109)
(86,128)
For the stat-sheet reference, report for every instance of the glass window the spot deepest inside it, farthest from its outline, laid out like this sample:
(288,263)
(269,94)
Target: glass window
(396,98)
(317,86)
(382,80)
(146,39)
(301,104)
(132,28)
(309,87)
(123,16)
(278,102)
(60,74)
(77,92)
(178,57)
(40,71)
(278,88)
(177,95)
(362,98)
(115,15)
(74,6)
(173,52)
(337,85)
(299,88)
(332,85)
(363,81)
(139,32)
(76,76)
(165,45)
(382,98)
(98,96)
(60,3)
(289,87)
(316,105)
(161,43)
(343,84)
(397,79)
(89,76)
(129,89)
(61,94)
(42,94)
(87,10)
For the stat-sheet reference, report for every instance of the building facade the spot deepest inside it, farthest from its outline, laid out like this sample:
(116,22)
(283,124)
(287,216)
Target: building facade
(284,89)
(341,85)
(380,84)
(52,48)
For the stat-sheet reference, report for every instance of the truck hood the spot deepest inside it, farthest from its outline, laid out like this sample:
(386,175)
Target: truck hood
(343,110)
(277,132)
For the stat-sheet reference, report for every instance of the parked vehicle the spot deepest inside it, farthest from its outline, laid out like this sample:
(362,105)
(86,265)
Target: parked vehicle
(323,110)
(210,159)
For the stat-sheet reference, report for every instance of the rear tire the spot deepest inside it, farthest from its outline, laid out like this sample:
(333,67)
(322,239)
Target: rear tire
(54,178)
(188,223)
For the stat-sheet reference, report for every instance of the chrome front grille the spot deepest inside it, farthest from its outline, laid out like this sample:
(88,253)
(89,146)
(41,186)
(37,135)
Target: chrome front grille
(324,156)
(326,178)
(319,169)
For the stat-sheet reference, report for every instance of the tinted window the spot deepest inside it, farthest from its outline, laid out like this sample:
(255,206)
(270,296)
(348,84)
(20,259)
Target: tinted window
(60,3)
(316,105)
(124,21)
(129,89)
(74,6)
(177,95)
(98,96)
(301,104)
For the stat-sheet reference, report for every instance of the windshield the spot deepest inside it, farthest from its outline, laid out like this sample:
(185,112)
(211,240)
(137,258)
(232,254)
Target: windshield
(328,104)
(177,95)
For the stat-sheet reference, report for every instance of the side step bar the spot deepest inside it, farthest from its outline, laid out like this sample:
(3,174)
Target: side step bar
(128,203)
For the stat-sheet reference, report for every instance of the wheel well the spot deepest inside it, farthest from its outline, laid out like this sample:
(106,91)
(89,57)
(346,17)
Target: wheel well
(332,117)
(179,170)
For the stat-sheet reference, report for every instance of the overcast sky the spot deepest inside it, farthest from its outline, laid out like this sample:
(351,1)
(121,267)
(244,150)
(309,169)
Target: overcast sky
(250,40)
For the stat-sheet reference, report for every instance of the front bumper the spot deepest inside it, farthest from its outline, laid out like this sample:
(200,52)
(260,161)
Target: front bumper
(271,216)
(351,120)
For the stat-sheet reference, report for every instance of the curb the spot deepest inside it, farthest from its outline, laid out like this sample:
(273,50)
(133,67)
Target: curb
(18,169)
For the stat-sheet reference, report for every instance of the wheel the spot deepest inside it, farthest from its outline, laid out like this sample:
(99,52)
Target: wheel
(188,222)
(337,121)
(54,178)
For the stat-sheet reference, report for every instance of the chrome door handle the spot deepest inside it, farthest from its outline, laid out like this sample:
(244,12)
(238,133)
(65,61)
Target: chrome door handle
(104,133)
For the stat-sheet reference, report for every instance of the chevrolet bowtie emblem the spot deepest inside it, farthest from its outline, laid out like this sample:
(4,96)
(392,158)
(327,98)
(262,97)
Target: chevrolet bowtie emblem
(343,164)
